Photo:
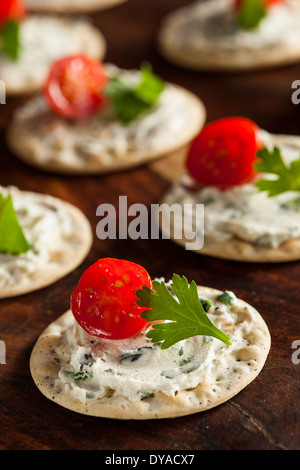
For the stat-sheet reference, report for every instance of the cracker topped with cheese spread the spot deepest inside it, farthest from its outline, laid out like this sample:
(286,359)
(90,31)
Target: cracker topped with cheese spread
(126,118)
(119,354)
(247,181)
(39,41)
(42,239)
(71,6)
(232,35)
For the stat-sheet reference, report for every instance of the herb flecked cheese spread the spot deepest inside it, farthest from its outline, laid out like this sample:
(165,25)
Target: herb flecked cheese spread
(135,368)
(102,138)
(43,40)
(212,25)
(242,212)
(50,231)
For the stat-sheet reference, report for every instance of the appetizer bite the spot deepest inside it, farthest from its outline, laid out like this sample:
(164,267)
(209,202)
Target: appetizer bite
(42,239)
(133,348)
(95,118)
(232,35)
(30,43)
(71,6)
(248,181)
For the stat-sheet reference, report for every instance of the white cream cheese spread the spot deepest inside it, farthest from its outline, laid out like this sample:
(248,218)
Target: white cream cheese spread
(136,368)
(48,228)
(212,25)
(242,212)
(103,139)
(45,39)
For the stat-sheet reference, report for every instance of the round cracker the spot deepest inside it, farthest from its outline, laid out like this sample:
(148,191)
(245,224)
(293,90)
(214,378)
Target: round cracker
(236,249)
(71,6)
(238,367)
(75,251)
(239,250)
(173,44)
(75,36)
(24,140)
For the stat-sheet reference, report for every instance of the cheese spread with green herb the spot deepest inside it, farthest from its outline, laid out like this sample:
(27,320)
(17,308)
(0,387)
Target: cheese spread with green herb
(102,139)
(137,369)
(206,35)
(43,40)
(242,212)
(50,231)
(213,25)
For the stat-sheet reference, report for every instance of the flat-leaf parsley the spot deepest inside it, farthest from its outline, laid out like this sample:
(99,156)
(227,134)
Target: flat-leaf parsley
(184,313)
(287,176)
(12,238)
(130,101)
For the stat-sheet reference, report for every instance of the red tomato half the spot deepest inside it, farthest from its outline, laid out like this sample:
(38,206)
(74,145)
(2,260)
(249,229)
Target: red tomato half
(12,9)
(104,301)
(224,152)
(74,86)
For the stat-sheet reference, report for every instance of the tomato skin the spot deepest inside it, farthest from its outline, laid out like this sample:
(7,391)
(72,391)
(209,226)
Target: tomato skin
(224,152)
(74,86)
(12,10)
(103,302)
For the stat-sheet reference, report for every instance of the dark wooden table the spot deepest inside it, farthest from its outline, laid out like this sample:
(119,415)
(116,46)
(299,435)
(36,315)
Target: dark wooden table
(265,415)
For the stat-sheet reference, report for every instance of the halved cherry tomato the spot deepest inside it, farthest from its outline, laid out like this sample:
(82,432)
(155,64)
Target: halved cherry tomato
(12,10)
(224,152)
(104,301)
(74,86)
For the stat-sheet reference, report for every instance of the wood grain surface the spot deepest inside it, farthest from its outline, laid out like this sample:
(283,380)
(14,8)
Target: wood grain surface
(265,415)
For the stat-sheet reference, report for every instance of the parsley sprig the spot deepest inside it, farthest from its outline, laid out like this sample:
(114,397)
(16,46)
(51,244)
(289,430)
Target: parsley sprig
(130,101)
(250,13)
(10,43)
(184,312)
(287,176)
(12,238)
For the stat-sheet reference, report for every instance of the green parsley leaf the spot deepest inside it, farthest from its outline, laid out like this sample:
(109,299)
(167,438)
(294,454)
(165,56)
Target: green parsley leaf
(10,39)
(12,238)
(250,13)
(150,87)
(129,102)
(186,315)
(288,176)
